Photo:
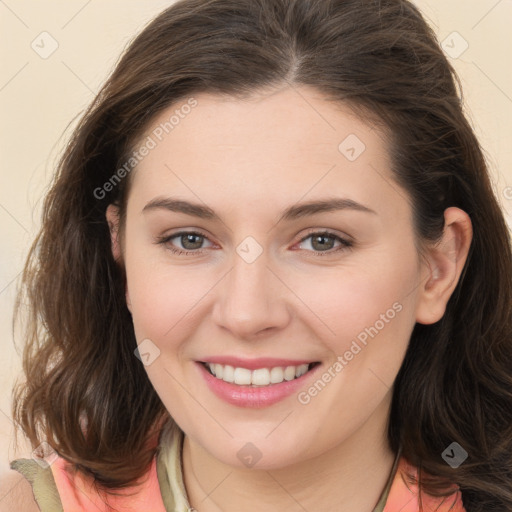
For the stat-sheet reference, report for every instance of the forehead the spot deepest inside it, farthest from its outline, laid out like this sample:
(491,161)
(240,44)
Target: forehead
(298,115)
(283,145)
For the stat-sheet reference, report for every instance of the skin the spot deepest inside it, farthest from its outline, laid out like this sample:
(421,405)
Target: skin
(16,493)
(248,160)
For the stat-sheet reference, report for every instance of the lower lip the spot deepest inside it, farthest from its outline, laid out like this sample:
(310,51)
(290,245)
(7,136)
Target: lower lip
(255,397)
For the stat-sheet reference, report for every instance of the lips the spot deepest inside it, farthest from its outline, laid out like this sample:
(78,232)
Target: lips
(255,383)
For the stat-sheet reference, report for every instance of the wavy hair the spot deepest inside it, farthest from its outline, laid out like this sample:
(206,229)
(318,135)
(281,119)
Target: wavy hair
(381,58)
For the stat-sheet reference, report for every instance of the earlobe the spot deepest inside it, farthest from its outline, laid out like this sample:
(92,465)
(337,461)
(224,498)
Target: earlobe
(444,265)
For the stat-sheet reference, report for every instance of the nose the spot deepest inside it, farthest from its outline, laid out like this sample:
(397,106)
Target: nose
(251,299)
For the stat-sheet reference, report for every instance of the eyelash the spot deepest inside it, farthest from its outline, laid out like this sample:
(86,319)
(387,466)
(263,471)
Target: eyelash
(345,244)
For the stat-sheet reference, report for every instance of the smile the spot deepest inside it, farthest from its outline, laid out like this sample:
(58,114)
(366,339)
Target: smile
(258,377)
(255,383)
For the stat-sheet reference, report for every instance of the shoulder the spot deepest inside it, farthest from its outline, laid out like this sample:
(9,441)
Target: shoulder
(16,493)
(34,483)
(406,496)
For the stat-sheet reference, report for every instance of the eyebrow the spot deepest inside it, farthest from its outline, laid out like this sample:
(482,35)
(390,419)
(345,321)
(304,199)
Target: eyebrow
(293,212)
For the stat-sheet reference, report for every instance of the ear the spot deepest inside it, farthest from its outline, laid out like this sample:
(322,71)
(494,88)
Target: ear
(112,215)
(113,220)
(442,270)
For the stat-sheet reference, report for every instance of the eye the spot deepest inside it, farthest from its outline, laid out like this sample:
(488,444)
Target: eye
(190,241)
(322,242)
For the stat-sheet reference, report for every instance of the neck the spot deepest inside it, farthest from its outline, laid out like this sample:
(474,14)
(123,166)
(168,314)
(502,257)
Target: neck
(350,476)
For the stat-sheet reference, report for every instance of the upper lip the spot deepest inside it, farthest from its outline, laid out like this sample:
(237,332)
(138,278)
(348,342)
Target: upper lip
(254,364)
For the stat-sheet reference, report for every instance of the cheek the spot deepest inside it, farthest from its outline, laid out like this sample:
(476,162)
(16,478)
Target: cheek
(162,296)
(361,303)
(163,312)
(370,317)
(166,307)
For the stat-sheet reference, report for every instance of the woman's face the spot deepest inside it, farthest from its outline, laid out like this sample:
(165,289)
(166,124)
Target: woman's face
(274,282)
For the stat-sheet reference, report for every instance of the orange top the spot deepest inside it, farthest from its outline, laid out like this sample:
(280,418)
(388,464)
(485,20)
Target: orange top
(404,496)
(79,494)
(56,489)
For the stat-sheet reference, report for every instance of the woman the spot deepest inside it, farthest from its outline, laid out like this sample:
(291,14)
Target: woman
(272,274)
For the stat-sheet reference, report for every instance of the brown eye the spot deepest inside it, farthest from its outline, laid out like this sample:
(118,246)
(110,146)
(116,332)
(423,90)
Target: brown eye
(191,242)
(324,242)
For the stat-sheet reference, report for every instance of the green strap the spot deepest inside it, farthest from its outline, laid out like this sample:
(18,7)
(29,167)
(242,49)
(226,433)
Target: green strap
(43,484)
(170,471)
(163,481)
(384,497)
(47,496)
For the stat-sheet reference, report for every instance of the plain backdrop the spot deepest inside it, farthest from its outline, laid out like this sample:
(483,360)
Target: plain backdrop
(55,56)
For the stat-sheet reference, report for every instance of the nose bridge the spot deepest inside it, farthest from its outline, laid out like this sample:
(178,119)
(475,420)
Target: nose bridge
(251,298)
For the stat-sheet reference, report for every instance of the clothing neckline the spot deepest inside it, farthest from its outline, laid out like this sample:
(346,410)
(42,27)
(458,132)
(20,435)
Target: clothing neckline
(170,471)
(167,468)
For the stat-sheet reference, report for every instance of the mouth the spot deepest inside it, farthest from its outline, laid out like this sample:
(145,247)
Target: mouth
(259,377)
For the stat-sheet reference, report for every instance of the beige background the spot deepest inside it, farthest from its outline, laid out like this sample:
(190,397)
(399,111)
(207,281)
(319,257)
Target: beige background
(40,97)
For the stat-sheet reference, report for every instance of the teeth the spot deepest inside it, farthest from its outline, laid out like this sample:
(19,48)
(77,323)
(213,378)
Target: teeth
(276,375)
(228,373)
(289,373)
(259,377)
(242,376)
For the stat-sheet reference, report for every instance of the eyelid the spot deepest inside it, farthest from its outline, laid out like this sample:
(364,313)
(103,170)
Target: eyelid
(166,238)
(327,231)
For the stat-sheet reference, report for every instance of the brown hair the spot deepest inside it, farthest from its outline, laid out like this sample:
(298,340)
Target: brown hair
(380,57)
